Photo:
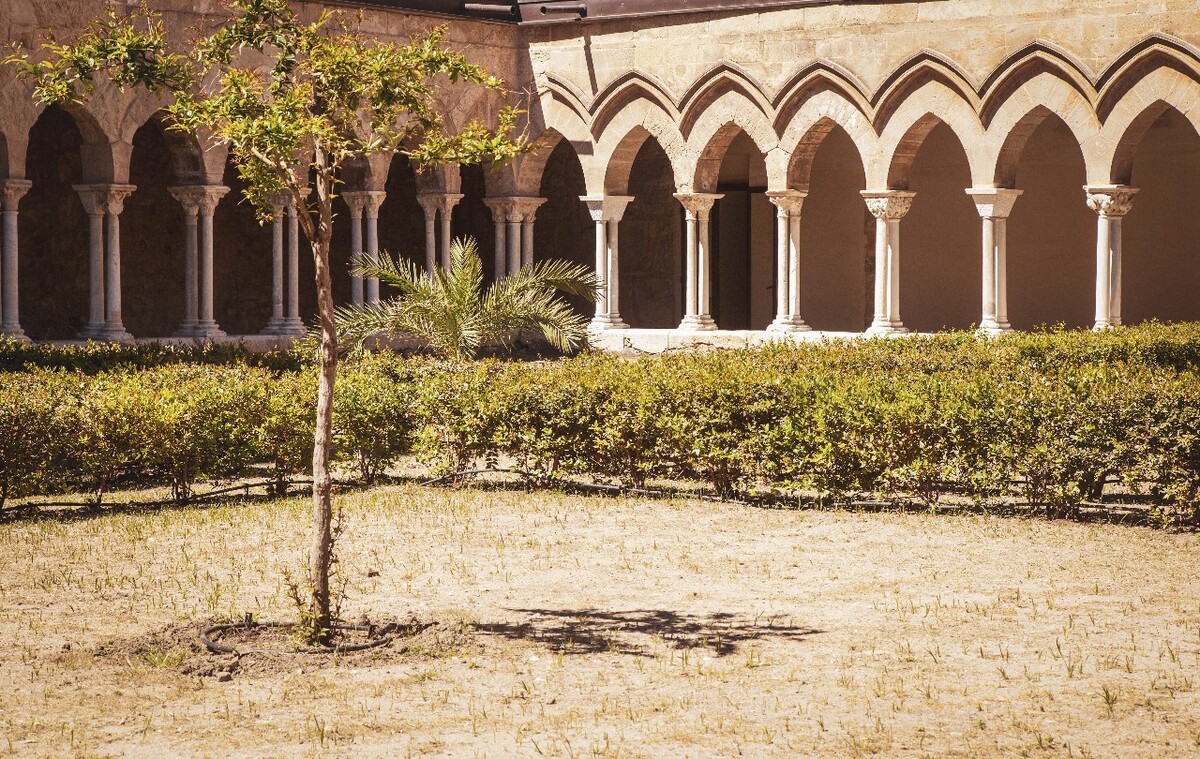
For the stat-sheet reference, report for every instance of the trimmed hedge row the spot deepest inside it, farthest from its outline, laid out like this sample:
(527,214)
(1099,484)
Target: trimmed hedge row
(1052,420)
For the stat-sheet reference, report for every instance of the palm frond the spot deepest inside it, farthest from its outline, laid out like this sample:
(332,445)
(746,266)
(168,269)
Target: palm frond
(447,310)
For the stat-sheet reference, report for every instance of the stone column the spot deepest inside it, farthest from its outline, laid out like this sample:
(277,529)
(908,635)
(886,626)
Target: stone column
(374,202)
(529,207)
(500,208)
(697,312)
(429,205)
(446,203)
(105,201)
(210,197)
(10,320)
(888,207)
(1111,203)
(94,206)
(994,205)
(188,197)
(114,327)
(276,323)
(292,323)
(356,201)
(606,211)
(788,204)
(513,245)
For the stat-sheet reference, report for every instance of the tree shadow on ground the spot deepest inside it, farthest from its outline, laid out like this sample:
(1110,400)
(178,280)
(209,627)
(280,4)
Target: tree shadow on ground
(590,631)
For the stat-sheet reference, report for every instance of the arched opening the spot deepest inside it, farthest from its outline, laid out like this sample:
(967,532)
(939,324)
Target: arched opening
(564,228)
(401,220)
(743,240)
(472,218)
(940,268)
(53,273)
(651,263)
(1161,256)
(837,248)
(1051,234)
(242,261)
(152,240)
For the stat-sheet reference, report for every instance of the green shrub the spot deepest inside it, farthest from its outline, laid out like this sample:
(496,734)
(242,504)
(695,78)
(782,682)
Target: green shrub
(283,434)
(375,413)
(35,432)
(203,425)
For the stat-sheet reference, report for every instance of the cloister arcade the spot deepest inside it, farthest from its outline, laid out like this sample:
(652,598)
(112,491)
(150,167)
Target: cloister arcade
(1048,194)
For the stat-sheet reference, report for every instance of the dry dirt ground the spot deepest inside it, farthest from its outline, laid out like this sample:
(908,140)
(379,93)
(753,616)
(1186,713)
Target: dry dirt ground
(572,626)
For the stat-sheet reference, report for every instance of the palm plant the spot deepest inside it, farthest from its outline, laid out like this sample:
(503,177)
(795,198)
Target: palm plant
(451,311)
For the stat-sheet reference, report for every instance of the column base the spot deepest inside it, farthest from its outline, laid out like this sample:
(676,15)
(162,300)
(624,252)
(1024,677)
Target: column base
(15,334)
(1104,325)
(700,323)
(788,324)
(293,326)
(884,330)
(605,322)
(992,329)
(92,331)
(208,331)
(186,328)
(115,333)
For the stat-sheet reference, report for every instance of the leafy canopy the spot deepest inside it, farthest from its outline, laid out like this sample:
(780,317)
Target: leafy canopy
(450,310)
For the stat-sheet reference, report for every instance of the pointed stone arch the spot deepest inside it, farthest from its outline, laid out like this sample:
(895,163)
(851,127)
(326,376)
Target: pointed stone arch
(812,123)
(1024,111)
(934,103)
(716,129)
(1155,93)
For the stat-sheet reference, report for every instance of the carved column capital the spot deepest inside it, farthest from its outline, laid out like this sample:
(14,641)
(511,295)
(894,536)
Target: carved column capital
(99,199)
(789,202)
(501,208)
(606,207)
(188,197)
(1110,201)
(528,207)
(14,190)
(888,205)
(698,204)
(994,202)
(357,201)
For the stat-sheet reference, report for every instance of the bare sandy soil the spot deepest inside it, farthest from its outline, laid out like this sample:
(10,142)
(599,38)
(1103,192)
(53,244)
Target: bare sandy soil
(569,626)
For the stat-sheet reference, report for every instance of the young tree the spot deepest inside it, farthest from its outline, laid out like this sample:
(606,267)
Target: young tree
(454,315)
(329,95)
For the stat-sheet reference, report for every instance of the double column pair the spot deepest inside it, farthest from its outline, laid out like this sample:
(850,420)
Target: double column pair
(363,203)
(199,204)
(514,218)
(104,204)
(438,208)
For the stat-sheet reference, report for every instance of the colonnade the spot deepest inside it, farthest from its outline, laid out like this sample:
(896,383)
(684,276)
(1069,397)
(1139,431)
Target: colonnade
(514,219)
(104,203)
(994,205)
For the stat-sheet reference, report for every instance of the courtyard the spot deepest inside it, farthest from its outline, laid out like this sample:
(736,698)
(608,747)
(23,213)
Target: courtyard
(546,624)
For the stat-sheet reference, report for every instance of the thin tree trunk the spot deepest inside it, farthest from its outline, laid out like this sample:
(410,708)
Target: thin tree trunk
(321,553)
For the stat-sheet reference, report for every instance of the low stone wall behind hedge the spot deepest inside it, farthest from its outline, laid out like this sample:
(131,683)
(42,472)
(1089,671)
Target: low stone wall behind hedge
(1049,419)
